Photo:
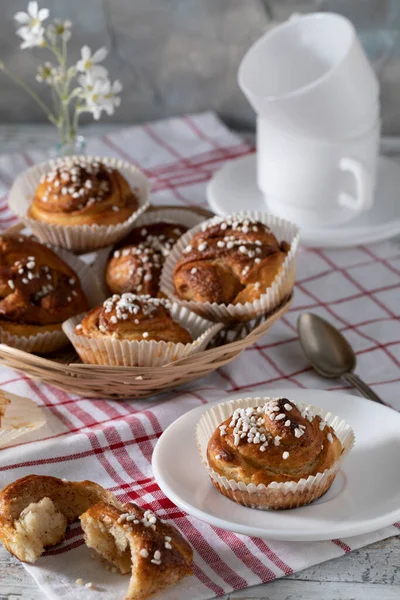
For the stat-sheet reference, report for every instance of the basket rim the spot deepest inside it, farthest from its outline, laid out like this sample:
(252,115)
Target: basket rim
(121,383)
(79,369)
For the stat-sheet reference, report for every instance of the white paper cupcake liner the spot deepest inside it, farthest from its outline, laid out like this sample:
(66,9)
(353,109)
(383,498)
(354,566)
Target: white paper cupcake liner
(50,341)
(289,494)
(78,238)
(179,216)
(109,351)
(274,295)
(18,416)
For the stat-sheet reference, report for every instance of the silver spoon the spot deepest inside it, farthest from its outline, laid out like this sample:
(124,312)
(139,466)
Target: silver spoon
(330,353)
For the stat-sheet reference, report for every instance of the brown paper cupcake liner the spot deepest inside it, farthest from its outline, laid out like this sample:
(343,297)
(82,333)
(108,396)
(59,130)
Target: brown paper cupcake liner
(77,238)
(289,494)
(109,351)
(273,296)
(18,416)
(50,341)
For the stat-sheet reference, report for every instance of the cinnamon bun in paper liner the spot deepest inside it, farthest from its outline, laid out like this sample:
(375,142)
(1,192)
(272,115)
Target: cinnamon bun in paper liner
(131,330)
(80,202)
(134,264)
(233,268)
(272,453)
(39,289)
(18,416)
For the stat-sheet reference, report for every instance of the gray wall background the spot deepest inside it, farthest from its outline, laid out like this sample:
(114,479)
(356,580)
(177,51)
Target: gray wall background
(177,56)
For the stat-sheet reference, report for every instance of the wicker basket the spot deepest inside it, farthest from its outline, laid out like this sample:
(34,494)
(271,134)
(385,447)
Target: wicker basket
(65,371)
(94,381)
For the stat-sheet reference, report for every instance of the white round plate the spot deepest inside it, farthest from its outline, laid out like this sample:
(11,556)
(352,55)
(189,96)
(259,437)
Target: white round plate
(234,188)
(364,497)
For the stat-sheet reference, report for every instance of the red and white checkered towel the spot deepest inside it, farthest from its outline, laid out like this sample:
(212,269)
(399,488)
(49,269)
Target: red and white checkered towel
(112,442)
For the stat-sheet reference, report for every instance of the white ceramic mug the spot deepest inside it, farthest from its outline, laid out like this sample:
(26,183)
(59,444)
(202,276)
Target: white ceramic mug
(314,182)
(310,75)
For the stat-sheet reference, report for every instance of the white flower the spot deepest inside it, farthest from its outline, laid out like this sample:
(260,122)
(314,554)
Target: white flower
(87,82)
(46,73)
(32,38)
(93,96)
(89,62)
(32,31)
(59,29)
(109,95)
(100,94)
(33,17)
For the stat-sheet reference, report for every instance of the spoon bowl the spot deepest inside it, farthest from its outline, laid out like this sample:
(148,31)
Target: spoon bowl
(325,347)
(330,353)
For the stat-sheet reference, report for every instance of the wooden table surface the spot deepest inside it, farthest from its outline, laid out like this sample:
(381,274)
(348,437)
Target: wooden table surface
(371,573)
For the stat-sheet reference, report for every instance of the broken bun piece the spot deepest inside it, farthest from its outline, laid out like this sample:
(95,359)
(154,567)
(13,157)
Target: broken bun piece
(36,510)
(136,542)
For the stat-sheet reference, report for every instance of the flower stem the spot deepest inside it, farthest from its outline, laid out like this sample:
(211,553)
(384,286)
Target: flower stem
(64,51)
(75,120)
(65,133)
(32,94)
(68,133)
(58,55)
(56,100)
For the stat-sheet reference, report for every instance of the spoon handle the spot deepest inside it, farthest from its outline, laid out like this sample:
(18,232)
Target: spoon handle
(362,387)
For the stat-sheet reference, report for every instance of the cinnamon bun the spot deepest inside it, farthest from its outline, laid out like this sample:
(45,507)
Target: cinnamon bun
(136,262)
(38,290)
(229,262)
(133,318)
(137,542)
(36,510)
(83,191)
(268,449)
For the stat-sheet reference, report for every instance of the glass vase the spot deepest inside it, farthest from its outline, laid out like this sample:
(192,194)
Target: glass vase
(76,145)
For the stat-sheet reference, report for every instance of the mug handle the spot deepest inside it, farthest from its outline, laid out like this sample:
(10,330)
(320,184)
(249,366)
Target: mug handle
(363,196)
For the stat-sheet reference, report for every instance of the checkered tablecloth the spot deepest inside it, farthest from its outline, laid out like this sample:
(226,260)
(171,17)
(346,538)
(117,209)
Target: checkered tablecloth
(111,442)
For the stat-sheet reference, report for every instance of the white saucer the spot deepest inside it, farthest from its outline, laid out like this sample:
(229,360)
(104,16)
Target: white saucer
(364,497)
(234,188)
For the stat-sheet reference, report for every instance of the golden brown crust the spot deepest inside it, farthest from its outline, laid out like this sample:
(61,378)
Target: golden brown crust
(136,262)
(81,191)
(4,402)
(229,262)
(38,290)
(155,552)
(131,317)
(70,498)
(290,444)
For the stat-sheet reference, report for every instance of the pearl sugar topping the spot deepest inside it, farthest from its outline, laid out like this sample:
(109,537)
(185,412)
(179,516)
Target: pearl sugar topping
(29,270)
(129,304)
(249,423)
(249,248)
(245,224)
(84,178)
